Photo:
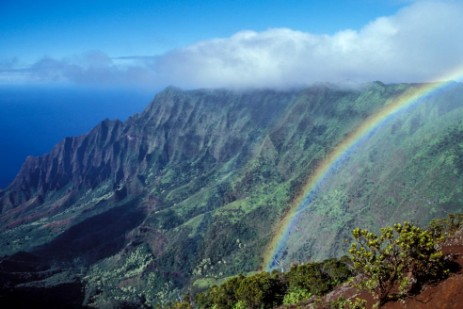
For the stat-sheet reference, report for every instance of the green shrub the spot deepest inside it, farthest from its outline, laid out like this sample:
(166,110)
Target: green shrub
(309,277)
(403,256)
(262,290)
(268,290)
(442,228)
(222,296)
(318,278)
(240,305)
(338,270)
(296,296)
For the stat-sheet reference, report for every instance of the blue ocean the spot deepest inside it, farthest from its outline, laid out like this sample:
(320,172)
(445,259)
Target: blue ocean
(33,118)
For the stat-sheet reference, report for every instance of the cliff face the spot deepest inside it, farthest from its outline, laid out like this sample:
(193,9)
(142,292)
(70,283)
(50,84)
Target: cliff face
(78,162)
(191,189)
(207,127)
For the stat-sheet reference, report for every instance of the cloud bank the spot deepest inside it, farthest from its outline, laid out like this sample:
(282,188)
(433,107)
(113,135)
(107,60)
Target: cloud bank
(422,42)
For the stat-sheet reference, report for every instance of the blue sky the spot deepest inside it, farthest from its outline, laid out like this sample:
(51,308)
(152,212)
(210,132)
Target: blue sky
(32,29)
(236,43)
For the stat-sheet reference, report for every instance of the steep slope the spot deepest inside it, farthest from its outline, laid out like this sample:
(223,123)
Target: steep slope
(410,169)
(185,193)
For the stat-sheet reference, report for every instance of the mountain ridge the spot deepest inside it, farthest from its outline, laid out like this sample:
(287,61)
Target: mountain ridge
(190,189)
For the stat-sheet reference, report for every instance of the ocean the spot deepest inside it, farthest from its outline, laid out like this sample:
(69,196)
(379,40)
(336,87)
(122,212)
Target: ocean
(33,119)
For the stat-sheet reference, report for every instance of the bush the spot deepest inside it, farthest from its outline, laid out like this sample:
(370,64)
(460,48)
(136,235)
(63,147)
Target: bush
(309,277)
(402,257)
(222,296)
(442,228)
(296,296)
(262,290)
(268,290)
(318,278)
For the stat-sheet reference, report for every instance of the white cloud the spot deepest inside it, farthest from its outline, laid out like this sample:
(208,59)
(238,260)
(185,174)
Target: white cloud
(422,42)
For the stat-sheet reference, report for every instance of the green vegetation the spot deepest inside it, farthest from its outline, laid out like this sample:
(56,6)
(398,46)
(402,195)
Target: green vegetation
(189,193)
(408,170)
(401,257)
(296,296)
(391,265)
(442,228)
(268,290)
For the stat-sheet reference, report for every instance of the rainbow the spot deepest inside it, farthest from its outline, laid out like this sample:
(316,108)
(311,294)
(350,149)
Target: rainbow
(408,99)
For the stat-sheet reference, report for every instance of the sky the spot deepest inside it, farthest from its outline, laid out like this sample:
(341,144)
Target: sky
(227,43)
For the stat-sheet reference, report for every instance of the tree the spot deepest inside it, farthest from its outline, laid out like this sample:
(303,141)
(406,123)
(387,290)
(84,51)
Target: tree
(400,259)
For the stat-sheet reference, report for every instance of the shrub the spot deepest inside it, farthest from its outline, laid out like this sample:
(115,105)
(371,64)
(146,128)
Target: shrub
(318,278)
(262,290)
(309,277)
(442,228)
(401,257)
(222,296)
(296,296)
